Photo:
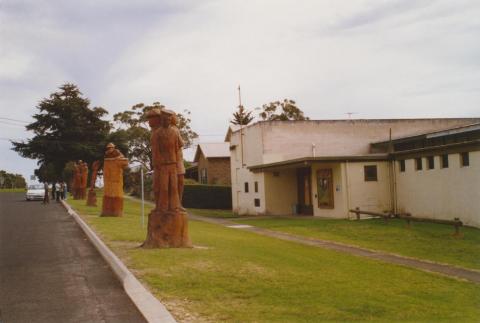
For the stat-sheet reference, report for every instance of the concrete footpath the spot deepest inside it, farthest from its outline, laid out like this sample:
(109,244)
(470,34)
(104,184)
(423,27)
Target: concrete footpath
(50,272)
(425,265)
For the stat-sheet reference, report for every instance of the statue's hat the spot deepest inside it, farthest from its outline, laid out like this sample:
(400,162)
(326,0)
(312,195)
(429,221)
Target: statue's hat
(155,112)
(110,145)
(169,112)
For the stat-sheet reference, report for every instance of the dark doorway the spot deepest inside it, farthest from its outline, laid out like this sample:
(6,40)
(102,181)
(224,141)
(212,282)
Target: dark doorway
(304,189)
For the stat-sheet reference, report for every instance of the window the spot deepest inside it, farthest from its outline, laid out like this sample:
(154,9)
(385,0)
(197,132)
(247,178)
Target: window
(370,173)
(246,187)
(402,165)
(256,202)
(276,174)
(418,163)
(256,187)
(431,162)
(464,159)
(444,159)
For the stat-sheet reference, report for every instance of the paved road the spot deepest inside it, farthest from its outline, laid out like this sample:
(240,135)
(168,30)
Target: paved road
(49,271)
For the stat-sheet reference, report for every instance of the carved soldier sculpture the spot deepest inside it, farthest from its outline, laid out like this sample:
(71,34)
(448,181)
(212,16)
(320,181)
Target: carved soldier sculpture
(77,180)
(113,165)
(167,223)
(83,181)
(92,196)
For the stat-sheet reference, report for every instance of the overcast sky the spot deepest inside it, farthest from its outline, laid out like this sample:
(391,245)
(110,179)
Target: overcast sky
(378,59)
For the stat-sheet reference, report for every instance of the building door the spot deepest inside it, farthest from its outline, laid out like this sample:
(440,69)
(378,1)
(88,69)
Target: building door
(325,188)
(304,189)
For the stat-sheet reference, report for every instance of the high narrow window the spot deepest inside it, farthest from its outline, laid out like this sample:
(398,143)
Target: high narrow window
(256,187)
(402,165)
(256,202)
(464,159)
(246,187)
(370,173)
(418,163)
(431,162)
(444,159)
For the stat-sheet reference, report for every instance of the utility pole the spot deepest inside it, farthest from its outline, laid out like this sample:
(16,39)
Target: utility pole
(241,126)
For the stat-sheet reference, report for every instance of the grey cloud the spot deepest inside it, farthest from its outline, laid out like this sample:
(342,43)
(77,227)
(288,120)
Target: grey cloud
(380,12)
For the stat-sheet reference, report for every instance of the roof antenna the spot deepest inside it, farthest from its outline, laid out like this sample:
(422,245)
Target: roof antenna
(239,96)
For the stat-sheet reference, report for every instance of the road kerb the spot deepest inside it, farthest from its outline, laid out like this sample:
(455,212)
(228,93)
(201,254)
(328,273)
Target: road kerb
(150,307)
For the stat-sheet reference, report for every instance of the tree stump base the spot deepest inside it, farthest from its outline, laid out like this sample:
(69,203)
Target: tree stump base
(91,198)
(167,229)
(112,206)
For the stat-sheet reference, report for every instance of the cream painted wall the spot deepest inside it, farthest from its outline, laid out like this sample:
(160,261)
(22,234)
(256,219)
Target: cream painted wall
(280,192)
(372,195)
(441,193)
(243,203)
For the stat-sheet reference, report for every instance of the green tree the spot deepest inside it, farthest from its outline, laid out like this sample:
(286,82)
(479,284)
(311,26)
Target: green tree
(137,131)
(66,129)
(282,111)
(242,117)
(9,180)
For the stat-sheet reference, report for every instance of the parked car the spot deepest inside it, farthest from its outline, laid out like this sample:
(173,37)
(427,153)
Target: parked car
(35,192)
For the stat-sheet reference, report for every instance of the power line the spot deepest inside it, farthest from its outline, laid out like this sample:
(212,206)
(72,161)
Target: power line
(9,123)
(16,120)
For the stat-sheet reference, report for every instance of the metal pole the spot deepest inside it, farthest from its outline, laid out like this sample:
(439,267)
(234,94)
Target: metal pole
(143,198)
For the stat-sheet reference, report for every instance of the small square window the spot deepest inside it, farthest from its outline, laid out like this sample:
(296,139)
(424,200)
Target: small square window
(444,159)
(370,173)
(464,159)
(430,162)
(256,187)
(402,165)
(246,187)
(418,163)
(256,202)
(276,174)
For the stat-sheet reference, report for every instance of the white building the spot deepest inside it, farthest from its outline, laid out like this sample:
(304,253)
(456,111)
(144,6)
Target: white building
(327,167)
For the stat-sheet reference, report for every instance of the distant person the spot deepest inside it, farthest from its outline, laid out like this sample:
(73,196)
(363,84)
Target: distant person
(62,190)
(65,190)
(57,192)
(46,196)
(53,190)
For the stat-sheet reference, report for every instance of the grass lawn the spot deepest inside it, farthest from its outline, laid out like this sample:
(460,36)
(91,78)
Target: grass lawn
(222,214)
(243,277)
(423,240)
(12,190)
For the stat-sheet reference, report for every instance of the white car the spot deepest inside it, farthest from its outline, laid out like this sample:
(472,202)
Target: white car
(35,192)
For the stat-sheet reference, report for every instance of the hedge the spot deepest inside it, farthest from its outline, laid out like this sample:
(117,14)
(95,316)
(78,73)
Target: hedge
(207,197)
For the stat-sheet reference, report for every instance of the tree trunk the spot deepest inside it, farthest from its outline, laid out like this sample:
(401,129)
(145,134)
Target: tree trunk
(167,230)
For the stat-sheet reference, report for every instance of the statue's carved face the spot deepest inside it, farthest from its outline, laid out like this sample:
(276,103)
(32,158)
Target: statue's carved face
(154,122)
(165,121)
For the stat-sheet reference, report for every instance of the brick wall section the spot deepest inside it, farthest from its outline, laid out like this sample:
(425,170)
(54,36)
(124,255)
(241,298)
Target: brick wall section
(218,170)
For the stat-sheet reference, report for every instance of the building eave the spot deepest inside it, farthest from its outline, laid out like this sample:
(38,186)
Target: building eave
(306,161)
(472,145)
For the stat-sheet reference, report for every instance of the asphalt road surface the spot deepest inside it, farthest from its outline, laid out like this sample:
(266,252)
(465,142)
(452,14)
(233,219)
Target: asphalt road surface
(49,271)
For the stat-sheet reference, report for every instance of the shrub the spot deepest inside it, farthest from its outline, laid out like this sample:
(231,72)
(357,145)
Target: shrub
(207,197)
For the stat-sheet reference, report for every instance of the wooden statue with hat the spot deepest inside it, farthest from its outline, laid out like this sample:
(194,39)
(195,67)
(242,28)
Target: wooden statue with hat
(167,222)
(114,163)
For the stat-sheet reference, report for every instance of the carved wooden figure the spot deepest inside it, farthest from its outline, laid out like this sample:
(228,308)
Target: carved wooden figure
(84,180)
(167,223)
(113,165)
(77,180)
(92,196)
